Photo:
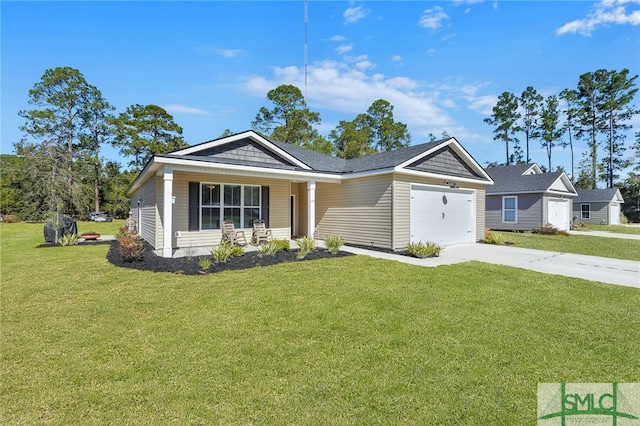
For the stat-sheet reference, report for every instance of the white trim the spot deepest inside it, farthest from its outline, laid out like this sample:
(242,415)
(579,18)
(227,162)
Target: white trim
(221,207)
(244,135)
(534,167)
(311,208)
(589,210)
(502,210)
(292,214)
(167,212)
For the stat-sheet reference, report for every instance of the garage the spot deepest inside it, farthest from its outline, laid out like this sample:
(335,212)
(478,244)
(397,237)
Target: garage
(558,213)
(442,215)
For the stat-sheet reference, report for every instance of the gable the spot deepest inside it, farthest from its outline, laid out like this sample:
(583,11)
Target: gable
(444,161)
(244,150)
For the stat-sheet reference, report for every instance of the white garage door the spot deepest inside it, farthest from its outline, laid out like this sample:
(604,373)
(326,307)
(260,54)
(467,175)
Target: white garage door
(614,214)
(444,216)
(558,214)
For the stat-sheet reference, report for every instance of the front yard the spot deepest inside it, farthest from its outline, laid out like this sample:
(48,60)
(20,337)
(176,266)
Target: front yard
(616,248)
(351,340)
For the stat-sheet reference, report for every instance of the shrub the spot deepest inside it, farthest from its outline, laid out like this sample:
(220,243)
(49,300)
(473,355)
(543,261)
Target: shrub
(305,245)
(69,240)
(130,245)
(580,226)
(222,253)
(283,245)
(334,242)
(493,238)
(237,251)
(204,263)
(10,218)
(270,248)
(422,250)
(548,229)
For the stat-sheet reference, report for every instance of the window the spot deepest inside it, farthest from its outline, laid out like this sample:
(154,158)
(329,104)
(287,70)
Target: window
(509,209)
(218,202)
(585,211)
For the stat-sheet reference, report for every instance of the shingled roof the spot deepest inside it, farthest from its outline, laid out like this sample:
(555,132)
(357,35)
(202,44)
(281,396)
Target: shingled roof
(598,195)
(511,180)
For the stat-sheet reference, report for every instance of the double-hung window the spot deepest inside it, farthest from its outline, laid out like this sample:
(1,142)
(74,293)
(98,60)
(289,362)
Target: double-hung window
(510,209)
(239,203)
(585,211)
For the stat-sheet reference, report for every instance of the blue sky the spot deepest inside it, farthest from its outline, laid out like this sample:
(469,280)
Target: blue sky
(441,64)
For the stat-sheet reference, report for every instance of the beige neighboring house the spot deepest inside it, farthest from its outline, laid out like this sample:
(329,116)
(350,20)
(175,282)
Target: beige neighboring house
(429,192)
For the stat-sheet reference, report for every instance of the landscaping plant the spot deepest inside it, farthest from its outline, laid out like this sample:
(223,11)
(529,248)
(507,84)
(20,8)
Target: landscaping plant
(334,242)
(305,246)
(130,245)
(494,238)
(69,240)
(423,250)
(223,252)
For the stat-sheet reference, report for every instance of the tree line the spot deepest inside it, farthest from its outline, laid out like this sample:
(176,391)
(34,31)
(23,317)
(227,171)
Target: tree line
(597,111)
(58,168)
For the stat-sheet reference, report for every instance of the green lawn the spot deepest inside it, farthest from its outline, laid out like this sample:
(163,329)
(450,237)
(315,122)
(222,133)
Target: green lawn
(350,341)
(618,229)
(616,248)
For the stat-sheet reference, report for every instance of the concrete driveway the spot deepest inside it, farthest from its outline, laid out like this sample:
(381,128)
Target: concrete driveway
(612,271)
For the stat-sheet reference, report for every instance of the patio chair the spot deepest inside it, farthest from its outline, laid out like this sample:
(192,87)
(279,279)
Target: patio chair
(229,234)
(260,232)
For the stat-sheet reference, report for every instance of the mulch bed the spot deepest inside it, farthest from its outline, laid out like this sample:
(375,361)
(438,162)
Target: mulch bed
(189,266)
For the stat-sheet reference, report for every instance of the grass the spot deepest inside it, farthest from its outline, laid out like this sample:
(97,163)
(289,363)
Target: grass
(619,229)
(615,248)
(344,341)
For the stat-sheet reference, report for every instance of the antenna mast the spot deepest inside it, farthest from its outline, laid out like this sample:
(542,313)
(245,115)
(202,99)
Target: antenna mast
(306,22)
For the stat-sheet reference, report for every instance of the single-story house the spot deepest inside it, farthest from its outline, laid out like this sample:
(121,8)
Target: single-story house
(602,206)
(523,198)
(428,192)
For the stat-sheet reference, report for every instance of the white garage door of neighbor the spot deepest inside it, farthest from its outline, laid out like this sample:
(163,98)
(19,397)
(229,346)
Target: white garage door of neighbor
(558,214)
(443,216)
(614,214)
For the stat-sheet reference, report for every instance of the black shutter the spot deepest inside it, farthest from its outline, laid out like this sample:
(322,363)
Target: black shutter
(194,206)
(265,205)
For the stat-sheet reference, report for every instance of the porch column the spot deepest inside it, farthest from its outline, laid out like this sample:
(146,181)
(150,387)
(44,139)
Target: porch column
(167,212)
(311,208)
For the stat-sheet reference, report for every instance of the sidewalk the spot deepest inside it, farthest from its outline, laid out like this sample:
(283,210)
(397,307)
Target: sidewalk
(606,234)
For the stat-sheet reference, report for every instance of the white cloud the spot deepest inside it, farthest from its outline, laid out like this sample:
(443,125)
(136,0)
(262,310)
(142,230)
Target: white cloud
(349,89)
(344,48)
(606,12)
(337,38)
(432,18)
(184,109)
(354,14)
(227,53)
(397,59)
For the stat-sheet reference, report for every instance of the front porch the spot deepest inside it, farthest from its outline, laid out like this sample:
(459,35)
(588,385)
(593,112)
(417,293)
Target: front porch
(188,218)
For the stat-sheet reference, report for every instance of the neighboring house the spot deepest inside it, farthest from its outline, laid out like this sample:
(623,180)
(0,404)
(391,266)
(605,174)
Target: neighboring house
(523,198)
(428,192)
(601,206)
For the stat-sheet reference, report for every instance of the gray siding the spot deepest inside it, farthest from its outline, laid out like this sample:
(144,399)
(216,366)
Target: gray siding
(444,161)
(243,150)
(599,213)
(530,212)
(359,210)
